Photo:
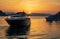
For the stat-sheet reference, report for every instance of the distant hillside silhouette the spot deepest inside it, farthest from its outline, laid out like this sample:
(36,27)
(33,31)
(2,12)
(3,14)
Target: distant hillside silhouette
(58,14)
(39,14)
(2,13)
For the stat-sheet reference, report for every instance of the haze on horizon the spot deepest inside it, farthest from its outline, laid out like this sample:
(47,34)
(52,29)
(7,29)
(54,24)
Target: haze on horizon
(30,6)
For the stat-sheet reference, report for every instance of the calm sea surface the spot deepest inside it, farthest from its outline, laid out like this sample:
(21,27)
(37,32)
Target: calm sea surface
(39,29)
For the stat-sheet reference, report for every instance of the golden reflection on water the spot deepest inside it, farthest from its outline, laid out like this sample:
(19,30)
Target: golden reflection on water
(38,26)
(3,22)
(42,29)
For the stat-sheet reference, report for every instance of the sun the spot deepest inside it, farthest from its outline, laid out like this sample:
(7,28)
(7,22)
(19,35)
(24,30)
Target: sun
(29,6)
(28,10)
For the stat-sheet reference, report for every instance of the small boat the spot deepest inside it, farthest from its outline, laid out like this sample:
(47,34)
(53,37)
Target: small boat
(19,25)
(52,18)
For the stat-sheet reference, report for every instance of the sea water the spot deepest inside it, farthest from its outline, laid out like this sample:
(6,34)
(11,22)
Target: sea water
(39,29)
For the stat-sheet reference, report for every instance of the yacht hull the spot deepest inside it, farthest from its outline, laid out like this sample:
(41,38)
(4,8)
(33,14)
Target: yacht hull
(18,27)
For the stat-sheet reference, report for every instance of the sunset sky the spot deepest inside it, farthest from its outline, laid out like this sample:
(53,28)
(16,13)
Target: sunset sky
(30,6)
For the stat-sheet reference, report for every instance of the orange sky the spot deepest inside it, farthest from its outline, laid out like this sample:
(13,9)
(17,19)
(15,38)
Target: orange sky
(37,6)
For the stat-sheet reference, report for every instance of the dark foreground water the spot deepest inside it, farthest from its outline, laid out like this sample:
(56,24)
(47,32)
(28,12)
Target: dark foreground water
(39,29)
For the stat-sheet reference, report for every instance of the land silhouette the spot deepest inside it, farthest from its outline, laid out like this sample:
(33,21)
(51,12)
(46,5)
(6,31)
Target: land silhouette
(2,13)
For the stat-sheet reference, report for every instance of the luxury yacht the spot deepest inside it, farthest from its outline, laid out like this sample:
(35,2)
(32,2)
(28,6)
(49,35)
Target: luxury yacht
(19,24)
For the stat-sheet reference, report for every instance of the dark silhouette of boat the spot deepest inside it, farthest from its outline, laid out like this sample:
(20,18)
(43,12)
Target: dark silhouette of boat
(55,17)
(19,24)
